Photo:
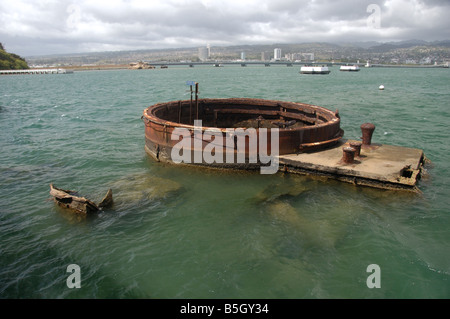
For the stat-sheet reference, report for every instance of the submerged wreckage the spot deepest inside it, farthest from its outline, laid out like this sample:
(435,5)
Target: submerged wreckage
(71,199)
(249,133)
(298,137)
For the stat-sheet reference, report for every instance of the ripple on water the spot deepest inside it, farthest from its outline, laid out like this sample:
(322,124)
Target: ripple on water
(195,233)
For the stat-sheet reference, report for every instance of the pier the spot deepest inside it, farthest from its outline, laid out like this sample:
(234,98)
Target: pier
(35,71)
(375,165)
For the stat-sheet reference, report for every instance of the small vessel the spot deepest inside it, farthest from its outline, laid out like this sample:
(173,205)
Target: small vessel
(65,71)
(368,65)
(351,68)
(309,69)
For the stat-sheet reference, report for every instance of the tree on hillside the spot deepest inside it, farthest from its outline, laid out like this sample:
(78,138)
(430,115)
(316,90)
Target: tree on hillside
(11,61)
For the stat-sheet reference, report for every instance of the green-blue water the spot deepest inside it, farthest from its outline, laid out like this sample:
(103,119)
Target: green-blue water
(195,233)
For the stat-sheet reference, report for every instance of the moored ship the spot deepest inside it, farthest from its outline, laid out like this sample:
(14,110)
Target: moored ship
(309,69)
(350,68)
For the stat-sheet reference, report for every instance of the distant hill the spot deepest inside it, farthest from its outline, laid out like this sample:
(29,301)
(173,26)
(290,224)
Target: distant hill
(323,51)
(385,47)
(11,61)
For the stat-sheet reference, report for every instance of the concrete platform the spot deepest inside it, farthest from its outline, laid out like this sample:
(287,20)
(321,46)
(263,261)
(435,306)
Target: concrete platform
(382,166)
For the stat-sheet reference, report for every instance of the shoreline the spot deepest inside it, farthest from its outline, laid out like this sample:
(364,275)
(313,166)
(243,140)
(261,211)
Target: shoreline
(100,67)
(96,67)
(411,66)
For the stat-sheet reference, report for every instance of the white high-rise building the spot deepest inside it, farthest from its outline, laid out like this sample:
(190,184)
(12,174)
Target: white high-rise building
(277,54)
(203,53)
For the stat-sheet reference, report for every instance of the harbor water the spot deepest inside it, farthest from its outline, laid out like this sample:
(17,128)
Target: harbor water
(183,232)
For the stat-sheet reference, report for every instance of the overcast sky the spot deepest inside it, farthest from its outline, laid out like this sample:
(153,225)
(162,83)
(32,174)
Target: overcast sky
(40,27)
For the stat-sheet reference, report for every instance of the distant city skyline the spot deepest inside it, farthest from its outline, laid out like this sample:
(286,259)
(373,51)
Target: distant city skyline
(404,52)
(32,28)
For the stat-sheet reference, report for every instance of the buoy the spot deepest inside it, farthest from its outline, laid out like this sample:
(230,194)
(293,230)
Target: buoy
(381,87)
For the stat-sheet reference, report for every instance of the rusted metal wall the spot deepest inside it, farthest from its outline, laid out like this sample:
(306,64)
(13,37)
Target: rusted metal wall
(318,127)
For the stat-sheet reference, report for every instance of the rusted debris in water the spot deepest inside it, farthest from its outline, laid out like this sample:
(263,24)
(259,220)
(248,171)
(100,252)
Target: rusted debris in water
(71,200)
(107,201)
(141,187)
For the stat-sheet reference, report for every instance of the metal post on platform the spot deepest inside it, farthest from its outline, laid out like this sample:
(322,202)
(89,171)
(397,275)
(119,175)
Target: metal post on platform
(190,108)
(357,146)
(196,97)
(191,84)
(367,131)
(348,155)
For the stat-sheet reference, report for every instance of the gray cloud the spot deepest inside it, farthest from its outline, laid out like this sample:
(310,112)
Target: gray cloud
(30,27)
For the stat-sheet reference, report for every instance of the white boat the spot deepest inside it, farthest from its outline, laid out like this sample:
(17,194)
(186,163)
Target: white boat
(349,68)
(368,65)
(64,71)
(308,69)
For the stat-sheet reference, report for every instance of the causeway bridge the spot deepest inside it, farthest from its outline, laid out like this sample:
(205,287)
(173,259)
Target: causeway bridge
(163,64)
(35,71)
(241,63)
